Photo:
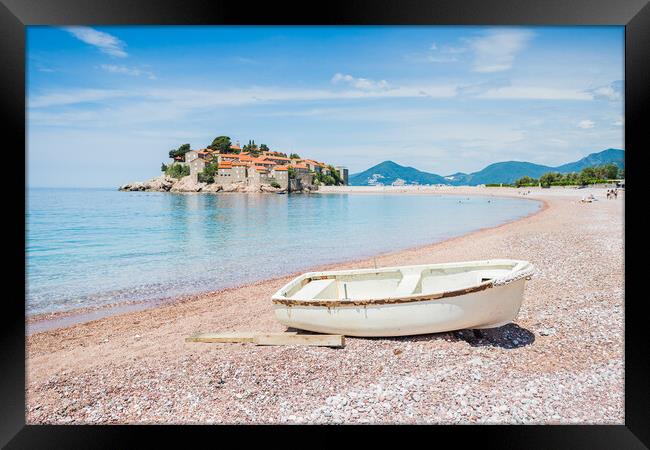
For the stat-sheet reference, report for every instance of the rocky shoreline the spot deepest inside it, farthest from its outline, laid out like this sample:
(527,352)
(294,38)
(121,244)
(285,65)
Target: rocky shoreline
(165,183)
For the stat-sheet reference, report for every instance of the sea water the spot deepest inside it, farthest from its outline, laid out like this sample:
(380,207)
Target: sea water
(95,247)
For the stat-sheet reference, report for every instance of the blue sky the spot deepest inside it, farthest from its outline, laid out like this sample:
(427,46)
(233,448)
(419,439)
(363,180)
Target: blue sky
(106,104)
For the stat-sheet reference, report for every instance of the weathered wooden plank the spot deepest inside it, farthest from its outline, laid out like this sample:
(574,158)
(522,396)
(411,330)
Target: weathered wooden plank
(231,337)
(322,340)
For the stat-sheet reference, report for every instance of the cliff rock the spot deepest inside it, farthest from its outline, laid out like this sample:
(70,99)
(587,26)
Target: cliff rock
(162,183)
(269,188)
(187,184)
(234,187)
(214,187)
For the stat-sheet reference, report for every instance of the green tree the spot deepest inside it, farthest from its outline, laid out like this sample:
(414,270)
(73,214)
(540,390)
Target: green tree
(610,171)
(525,181)
(294,155)
(163,167)
(178,170)
(209,172)
(264,148)
(328,180)
(252,148)
(335,175)
(549,178)
(292,173)
(180,151)
(221,144)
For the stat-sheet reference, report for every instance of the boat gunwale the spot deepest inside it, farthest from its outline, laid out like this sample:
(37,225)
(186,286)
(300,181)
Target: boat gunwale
(382,301)
(515,275)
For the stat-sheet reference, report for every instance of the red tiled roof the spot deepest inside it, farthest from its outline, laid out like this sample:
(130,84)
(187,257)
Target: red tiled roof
(263,162)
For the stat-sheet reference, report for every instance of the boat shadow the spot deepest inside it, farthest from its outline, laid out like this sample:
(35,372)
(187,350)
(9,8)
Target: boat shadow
(509,336)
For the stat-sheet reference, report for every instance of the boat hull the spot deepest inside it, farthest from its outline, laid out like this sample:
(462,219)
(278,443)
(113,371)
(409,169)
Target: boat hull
(405,300)
(488,308)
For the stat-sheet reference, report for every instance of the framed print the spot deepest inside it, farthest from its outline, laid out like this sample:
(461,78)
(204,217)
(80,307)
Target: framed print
(406,215)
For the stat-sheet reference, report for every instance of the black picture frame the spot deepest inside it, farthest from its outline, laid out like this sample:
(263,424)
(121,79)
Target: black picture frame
(15,15)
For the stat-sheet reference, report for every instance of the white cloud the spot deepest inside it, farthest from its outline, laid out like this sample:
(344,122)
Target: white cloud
(359,83)
(496,50)
(612,91)
(197,99)
(586,124)
(620,121)
(482,88)
(534,93)
(73,97)
(105,42)
(437,54)
(127,71)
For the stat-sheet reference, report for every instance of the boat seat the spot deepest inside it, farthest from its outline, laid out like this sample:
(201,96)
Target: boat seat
(313,289)
(408,284)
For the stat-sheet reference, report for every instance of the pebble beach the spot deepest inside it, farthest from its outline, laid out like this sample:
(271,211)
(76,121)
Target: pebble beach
(561,362)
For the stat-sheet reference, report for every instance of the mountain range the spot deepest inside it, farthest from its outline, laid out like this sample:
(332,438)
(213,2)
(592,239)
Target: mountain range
(388,172)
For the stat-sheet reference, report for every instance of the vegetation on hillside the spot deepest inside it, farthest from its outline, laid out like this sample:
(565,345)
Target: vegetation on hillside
(177,170)
(506,172)
(589,175)
(332,179)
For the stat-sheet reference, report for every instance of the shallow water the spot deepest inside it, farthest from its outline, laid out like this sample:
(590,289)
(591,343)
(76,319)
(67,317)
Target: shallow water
(94,247)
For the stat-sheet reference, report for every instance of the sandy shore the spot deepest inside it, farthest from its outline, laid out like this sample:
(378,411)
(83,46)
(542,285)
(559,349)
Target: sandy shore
(562,362)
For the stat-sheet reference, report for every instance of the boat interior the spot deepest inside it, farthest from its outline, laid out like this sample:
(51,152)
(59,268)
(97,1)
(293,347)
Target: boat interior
(394,283)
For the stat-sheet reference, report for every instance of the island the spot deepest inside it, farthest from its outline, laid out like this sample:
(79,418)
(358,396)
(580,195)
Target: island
(226,167)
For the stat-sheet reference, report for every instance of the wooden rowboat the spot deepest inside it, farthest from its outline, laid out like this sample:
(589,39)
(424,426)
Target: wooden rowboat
(406,300)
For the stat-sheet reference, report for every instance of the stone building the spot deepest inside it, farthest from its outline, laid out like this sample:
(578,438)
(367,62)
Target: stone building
(281,175)
(229,173)
(196,167)
(191,156)
(254,171)
(343,174)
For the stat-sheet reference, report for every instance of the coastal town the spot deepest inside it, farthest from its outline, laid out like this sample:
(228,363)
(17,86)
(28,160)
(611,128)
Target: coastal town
(227,167)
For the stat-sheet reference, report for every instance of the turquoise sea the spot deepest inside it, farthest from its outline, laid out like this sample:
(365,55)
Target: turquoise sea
(91,247)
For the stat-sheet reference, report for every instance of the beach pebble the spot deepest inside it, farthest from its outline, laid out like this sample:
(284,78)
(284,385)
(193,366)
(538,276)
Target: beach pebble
(547,332)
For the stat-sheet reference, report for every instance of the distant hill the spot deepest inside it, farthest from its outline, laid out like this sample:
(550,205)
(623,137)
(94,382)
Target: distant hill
(389,172)
(501,172)
(611,155)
